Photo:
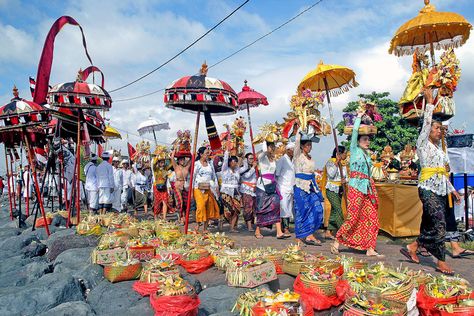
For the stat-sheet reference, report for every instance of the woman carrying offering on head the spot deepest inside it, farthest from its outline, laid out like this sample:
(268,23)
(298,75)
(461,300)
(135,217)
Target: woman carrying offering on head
(361,227)
(230,195)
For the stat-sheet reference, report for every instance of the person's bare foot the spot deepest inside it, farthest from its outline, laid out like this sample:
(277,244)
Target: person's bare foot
(443,267)
(412,251)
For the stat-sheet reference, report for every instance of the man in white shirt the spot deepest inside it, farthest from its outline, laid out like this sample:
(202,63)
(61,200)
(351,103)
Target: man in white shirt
(106,183)
(139,181)
(127,184)
(285,176)
(118,181)
(91,186)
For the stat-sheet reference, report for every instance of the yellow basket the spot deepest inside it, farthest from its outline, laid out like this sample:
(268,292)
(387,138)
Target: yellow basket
(327,288)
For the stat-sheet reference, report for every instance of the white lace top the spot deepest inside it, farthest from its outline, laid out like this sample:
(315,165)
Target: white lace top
(230,178)
(432,156)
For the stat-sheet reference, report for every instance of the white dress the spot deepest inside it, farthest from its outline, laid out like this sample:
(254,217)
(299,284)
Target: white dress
(285,176)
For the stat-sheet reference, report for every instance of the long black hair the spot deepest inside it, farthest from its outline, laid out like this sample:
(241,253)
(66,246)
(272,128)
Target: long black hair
(201,151)
(341,149)
(232,158)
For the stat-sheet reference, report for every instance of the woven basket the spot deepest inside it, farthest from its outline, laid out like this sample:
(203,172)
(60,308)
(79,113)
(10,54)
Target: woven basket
(143,253)
(403,293)
(122,273)
(131,231)
(327,288)
(145,232)
(363,130)
(358,265)
(202,253)
(292,268)
(457,310)
(350,309)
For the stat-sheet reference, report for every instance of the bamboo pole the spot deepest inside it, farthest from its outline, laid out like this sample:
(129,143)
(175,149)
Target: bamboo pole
(31,161)
(8,184)
(251,138)
(78,170)
(331,114)
(191,172)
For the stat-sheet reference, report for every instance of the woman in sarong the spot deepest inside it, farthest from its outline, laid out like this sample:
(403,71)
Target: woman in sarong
(205,182)
(361,227)
(307,196)
(230,195)
(248,183)
(334,187)
(268,198)
(433,189)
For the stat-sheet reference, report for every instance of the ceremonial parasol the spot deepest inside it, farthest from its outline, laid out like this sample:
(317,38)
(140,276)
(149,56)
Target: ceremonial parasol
(152,125)
(430,30)
(334,80)
(20,123)
(250,98)
(201,94)
(112,133)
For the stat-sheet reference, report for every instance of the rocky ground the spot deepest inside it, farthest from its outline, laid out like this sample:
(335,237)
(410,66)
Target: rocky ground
(55,276)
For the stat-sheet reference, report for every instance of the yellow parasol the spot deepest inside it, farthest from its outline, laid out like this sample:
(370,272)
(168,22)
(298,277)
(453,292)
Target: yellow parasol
(430,30)
(334,80)
(112,133)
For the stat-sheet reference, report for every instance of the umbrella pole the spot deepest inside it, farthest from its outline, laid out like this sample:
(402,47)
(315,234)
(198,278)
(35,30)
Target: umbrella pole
(432,53)
(331,114)
(12,164)
(8,184)
(154,136)
(251,138)
(31,160)
(191,172)
(78,168)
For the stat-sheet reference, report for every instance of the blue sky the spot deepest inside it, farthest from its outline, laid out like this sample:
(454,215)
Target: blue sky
(128,38)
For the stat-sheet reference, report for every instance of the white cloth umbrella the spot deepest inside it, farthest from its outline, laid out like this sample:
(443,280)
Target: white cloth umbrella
(152,125)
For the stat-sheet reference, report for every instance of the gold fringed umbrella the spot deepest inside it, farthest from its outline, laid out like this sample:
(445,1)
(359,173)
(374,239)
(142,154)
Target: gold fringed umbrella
(334,80)
(112,133)
(430,30)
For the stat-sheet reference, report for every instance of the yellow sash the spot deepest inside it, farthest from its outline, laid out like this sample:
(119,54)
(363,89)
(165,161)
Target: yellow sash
(428,172)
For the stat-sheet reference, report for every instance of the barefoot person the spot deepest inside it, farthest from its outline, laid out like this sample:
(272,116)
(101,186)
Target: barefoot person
(307,196)
(180,185)
(433,189)
(361,227)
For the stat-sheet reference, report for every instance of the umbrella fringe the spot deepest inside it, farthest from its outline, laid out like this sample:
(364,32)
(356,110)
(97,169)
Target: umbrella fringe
(344,88)
(410,50)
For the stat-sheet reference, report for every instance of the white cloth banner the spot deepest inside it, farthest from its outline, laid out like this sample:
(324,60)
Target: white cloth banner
(461,159)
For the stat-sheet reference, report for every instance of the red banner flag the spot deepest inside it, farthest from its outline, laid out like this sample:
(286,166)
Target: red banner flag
(131,151)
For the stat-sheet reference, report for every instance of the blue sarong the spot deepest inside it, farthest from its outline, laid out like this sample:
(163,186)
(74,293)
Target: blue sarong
(308,208)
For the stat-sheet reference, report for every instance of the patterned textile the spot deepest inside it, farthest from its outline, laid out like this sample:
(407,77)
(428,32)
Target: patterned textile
(336,217)
(308,212)
(433,223)
(248,203)
(181,198)
(360,229)
(231,206)
(206,205)
(268,208)
(160,197)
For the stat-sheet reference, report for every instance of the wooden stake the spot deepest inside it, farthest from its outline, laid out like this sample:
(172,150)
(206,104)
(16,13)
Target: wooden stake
(251,139)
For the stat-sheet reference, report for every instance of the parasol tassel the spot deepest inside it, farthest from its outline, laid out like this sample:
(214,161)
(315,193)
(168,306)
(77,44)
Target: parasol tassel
(212,134)
(46,59)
